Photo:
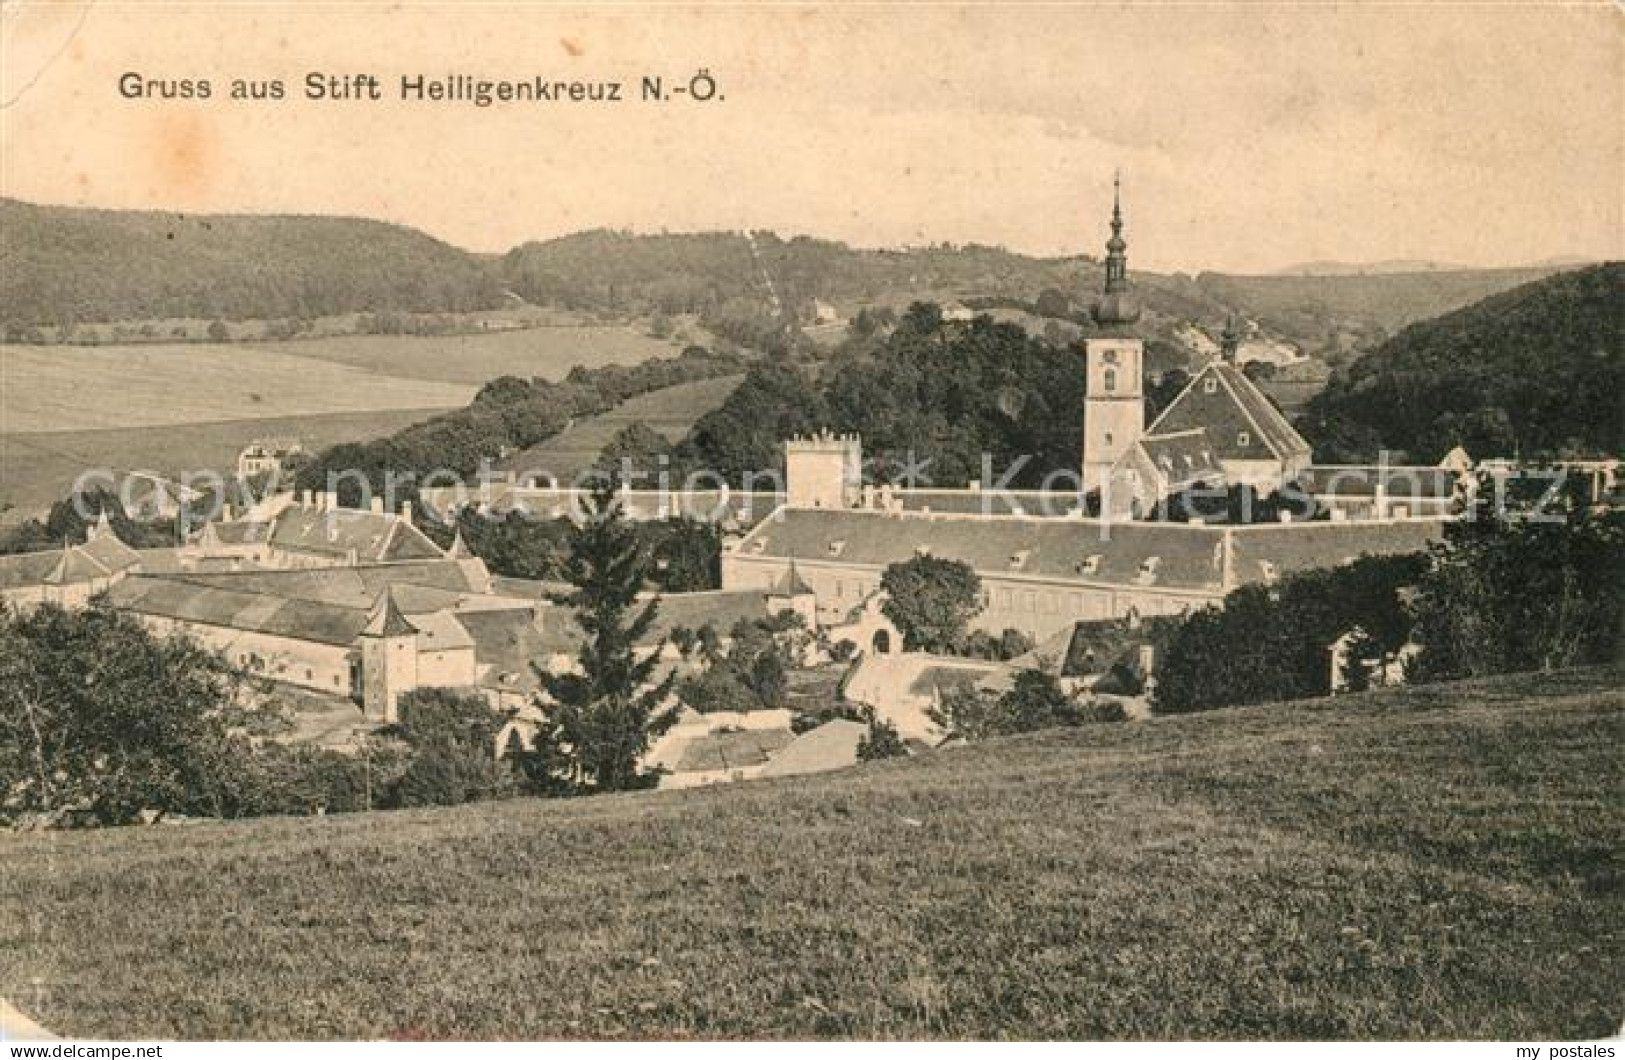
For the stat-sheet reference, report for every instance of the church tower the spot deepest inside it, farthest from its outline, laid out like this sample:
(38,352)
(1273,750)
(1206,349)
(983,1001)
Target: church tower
(1114,398)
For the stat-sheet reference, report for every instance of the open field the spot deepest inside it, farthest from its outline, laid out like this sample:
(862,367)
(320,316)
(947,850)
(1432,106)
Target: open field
(1438,862)
(669,412)
(37,470)
(73,388)
(549,352)
(64,388)
(170,407)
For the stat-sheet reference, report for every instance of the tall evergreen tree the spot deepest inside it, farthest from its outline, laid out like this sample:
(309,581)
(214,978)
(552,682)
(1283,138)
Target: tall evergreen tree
(601,718)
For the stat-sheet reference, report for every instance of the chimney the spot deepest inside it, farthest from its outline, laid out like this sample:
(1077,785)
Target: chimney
(377,504)
(406,512)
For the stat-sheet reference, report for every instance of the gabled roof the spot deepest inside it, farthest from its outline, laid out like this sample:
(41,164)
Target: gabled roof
(833,745)
(1181,458)
(107,550)
(721,610)
(1232,407)
(372,536)
(428,585)
(75,565)
(177,599)
(24,569)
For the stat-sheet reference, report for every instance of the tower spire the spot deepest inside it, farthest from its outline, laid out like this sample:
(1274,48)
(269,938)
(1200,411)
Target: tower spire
(1116,305)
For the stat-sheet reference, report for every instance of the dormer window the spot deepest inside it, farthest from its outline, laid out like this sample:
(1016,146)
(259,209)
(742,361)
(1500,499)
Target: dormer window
(922,550)
(1243,438)
(1148,569)
(1018,559)
(835,547)
(1267,570)
(1210,385)
(1089,564)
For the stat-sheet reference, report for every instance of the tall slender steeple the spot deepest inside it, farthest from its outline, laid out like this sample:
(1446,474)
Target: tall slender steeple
(1117,304)
(1230,340)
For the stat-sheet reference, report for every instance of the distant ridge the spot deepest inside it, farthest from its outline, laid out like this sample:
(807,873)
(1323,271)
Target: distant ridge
(72,265)
(1414,265)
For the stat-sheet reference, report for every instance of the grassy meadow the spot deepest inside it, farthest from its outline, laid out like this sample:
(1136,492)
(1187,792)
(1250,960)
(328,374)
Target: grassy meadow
(1438,862)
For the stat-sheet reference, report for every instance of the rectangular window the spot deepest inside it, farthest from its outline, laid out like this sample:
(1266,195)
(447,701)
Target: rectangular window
(1029,601)
(1244,439)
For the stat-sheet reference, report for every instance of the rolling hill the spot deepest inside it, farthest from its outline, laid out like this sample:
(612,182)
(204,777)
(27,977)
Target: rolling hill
(70,265)
(1440,862)
(1537,370)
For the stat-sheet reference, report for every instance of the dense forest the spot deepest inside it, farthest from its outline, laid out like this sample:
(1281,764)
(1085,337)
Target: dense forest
(1538,371)
(71,266)
(67,266)
(928,393)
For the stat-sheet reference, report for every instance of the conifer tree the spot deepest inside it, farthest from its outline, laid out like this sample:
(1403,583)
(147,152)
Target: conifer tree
(601,718)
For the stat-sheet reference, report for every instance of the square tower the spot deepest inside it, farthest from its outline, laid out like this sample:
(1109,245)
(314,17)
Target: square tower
(1113,405)
(824,471)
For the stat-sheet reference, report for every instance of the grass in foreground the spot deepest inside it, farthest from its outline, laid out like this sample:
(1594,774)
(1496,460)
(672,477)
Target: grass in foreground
(1438,862)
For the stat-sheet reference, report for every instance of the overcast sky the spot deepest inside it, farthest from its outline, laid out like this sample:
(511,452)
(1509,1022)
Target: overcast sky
(1249,138)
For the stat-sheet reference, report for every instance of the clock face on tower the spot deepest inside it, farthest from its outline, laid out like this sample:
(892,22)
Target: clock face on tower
(1110,357)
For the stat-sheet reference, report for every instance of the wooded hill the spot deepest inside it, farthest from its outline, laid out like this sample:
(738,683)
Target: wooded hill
(1538,370)
(70,265)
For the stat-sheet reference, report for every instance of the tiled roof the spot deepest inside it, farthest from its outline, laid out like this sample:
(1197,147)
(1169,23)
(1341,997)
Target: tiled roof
(427,586)
(24,569)
(110,552)
(791,584)
(440,631)
(1232,408)
(833,745)
(241,532)
(74,566)
(507,642)
(1289,549)
(387,620)
(722,610)
(372,536)
(1071,549)
(735,506)
(1183,458)
(714,751)
(1187,557)
(255,612)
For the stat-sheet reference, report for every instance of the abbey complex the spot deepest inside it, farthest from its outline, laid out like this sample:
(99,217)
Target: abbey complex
(362,605)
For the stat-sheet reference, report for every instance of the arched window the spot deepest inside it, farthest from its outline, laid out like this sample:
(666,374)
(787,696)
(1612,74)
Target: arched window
(1110,379)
